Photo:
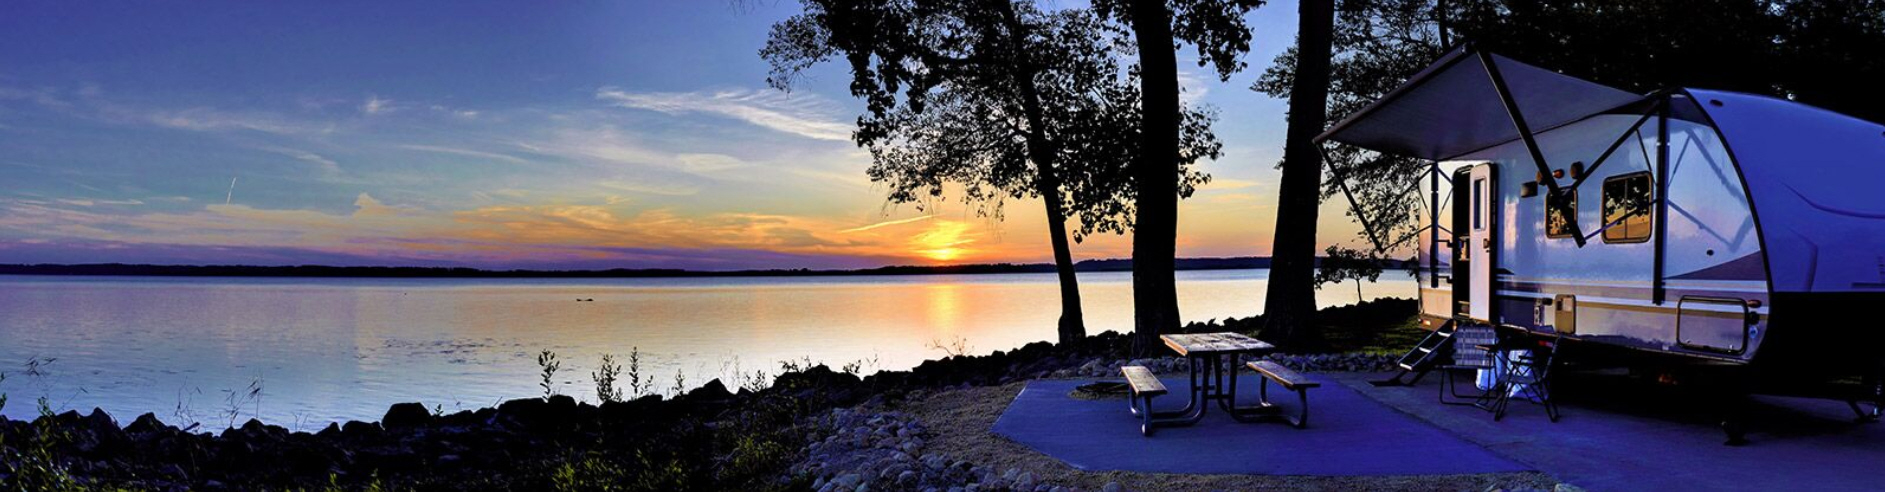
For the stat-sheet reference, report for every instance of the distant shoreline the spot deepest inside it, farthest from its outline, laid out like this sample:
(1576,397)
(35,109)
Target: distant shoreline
(120,269)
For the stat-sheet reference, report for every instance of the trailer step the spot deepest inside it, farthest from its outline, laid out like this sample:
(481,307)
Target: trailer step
(1422,357)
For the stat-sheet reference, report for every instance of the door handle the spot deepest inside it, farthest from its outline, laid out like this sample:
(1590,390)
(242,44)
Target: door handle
(1485,244)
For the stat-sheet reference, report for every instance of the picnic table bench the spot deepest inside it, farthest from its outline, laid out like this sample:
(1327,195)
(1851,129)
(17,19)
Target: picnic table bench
(1145,386)
(1289,379)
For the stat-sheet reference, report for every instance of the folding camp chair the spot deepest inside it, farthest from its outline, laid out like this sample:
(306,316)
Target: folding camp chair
(1527,375)
(1469,358)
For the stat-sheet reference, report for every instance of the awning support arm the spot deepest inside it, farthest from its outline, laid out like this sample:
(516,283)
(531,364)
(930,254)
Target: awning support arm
(1360,214)
(1653,110)
(1524,130)
(1657,292)
(1433,246)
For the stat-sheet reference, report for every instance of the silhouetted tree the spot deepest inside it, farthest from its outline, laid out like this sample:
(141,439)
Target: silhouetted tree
(1216,28)
(1340,264)
(998,97)
(1830,55)
(1290,300)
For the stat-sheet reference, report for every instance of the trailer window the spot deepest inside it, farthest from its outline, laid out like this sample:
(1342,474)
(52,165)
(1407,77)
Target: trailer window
(1627,200)
(1479,188)
(1560,209)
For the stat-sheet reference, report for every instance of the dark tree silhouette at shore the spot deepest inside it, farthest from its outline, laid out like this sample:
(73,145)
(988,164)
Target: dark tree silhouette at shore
(1216,28)
(1341,264)
(1290,300)
(999,98)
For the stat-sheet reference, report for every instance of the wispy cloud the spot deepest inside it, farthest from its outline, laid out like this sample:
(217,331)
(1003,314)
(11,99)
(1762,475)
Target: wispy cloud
(804,116)
(42,96)
(652,188)
(91,202)
(461,113)
(210,119)
(887,224)
(376,105)
(327,167)
(466,152)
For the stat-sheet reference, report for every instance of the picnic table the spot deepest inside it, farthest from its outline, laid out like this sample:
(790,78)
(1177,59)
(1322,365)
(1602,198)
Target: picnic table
(1212,363)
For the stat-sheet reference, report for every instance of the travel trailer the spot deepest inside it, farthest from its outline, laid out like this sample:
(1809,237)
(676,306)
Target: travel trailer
(1681,228)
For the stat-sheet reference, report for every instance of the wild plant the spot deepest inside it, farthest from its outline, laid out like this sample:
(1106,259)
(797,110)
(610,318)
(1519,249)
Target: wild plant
(235,400)
(184,413)
(546,361)
(680,383)
(858,367)
(801,365)
(604,376)
(3,396)
(36,366)
(956,347)
(637,386)
(756,381)
(36,466)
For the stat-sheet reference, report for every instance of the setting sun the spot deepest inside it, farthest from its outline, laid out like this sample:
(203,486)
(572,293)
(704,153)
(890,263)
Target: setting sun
(943,241)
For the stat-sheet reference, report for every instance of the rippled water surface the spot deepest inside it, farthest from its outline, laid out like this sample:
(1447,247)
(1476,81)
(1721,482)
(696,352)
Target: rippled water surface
(321,350)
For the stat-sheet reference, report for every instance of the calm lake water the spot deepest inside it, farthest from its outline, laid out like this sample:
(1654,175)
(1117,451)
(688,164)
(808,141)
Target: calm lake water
(323,350)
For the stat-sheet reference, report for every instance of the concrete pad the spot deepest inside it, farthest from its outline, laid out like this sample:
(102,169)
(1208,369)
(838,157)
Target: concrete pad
(1621,436)
(1348,435)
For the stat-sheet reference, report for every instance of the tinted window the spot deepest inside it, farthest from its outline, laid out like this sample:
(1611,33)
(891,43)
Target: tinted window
(1560,211)
(1627,201)
(1479,187)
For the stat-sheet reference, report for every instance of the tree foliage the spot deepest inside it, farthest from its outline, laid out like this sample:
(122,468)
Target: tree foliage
(1214,28)
(944,85)
(1340,264)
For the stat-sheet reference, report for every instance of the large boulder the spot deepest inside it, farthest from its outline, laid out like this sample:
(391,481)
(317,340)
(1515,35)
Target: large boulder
(145,424)
(357,429)
(406,416)
(712,391)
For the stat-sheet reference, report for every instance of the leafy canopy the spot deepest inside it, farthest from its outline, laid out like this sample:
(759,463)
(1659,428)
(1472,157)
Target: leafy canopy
(985,95)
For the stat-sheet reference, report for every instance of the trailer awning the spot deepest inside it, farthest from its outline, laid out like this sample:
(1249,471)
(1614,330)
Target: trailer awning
(1454,107)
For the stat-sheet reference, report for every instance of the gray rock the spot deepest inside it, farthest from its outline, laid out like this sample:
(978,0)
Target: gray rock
(1113,487)
(1024,481)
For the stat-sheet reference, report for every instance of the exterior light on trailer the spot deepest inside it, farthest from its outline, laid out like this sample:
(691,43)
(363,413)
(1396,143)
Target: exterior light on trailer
(1754,303)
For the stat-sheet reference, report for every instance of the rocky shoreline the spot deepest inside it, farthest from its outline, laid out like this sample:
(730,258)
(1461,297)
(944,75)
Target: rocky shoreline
(815,429)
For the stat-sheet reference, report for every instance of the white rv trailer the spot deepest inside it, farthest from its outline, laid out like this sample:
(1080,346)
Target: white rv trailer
(1694,226)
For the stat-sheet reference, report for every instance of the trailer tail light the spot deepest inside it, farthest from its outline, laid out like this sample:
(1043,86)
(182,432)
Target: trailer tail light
(1754,303)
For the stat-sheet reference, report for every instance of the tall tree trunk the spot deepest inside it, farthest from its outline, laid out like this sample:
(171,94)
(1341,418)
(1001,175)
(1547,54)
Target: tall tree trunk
(1155,178)
(1047,177)
(1072,321)
(1291,305)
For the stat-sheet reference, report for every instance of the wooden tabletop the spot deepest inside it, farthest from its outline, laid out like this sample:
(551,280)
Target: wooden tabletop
(1215,343)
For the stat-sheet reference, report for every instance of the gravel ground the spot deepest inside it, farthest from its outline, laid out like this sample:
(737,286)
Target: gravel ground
(957,426)
(1346,362)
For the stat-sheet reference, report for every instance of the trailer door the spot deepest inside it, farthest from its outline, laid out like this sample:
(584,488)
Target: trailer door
(1482,241)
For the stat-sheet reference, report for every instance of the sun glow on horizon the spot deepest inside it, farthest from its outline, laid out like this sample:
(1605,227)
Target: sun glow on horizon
(944,241)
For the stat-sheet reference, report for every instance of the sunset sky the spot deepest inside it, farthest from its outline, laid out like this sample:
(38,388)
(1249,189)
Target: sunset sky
(502,135)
